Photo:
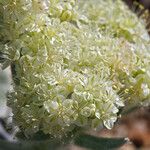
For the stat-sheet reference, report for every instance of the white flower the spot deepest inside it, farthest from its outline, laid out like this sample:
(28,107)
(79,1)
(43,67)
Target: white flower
(109,123)
(146,90)
(51,106)
(86,111)
(75,63)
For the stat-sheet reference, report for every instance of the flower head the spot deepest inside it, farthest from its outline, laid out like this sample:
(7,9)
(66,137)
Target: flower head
(74,63)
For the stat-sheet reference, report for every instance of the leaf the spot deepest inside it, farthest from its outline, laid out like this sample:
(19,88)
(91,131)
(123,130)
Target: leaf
(37,142)
(30,145)
(96,143)
(86,141)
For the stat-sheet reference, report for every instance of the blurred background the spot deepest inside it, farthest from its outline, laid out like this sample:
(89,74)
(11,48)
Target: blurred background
(145,3)
(139,7)
(135,124)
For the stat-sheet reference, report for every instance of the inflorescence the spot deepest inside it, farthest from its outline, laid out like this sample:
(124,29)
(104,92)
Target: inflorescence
(74,63)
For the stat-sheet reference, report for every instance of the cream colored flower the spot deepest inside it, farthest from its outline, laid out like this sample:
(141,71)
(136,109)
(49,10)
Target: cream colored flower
(74,63)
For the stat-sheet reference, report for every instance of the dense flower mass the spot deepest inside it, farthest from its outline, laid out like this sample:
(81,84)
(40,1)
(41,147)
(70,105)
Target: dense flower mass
(75,63)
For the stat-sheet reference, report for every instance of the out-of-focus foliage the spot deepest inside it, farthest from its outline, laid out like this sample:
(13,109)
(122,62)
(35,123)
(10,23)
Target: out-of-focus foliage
(75,63)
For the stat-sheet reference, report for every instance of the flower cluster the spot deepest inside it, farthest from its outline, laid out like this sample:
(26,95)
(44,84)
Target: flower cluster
(74,63)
